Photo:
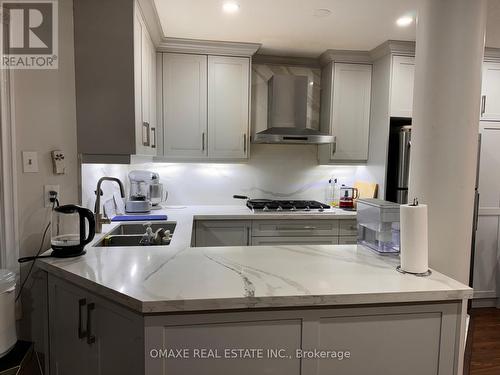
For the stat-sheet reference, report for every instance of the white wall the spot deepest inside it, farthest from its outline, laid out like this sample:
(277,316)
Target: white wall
(45,120)
(277,171)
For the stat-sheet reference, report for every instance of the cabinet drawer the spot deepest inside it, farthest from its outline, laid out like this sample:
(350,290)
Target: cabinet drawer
(318,240)
(348,228)
(348,240)
(278,228)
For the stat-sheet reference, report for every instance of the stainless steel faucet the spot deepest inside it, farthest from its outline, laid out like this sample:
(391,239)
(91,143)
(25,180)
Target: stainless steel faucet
(99,218)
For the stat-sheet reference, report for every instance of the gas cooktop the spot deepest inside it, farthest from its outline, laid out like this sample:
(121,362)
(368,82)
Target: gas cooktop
(285,205)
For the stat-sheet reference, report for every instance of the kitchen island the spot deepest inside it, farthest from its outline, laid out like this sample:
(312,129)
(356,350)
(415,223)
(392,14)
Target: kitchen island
(179,309)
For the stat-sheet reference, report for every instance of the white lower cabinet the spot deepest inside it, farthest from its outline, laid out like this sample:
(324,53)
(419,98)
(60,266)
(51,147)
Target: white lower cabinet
(274,232)
(89,335)
(92,335)
(272,241)
(222,233)
(348,240)
(423,339)
(219,336)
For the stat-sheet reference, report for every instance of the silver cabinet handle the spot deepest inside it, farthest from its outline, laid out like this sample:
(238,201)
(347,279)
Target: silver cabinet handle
(145,134)
(483,104)
(245,143)
(295,228)
(248,236)
(334,145)
(203,141)
(153,137)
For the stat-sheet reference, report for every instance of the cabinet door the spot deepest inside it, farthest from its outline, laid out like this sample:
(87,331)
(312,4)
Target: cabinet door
(351,111)
(300,228)
(153,121)
(490,100)
(348,240)
(487,249)
(274,241)
(138,72)
(222,233)
(145,86)
(228,106)
(69,352)
(403,77)
(226,341)
(185,105)
(117,332)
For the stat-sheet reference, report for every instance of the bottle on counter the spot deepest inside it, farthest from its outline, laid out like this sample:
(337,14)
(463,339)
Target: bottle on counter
(336,193)
(333,193)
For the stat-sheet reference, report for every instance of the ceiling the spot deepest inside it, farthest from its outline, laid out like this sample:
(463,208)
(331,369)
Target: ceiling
(289,27)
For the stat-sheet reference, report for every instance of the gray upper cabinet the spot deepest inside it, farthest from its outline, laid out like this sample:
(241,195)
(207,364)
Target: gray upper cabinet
(346,93)
(205,107)
(185,105)
(490,93)
(145,88)
(114,107)
(403,76)
(228,106)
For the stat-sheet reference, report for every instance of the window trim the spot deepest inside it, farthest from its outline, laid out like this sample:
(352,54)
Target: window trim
(9,234)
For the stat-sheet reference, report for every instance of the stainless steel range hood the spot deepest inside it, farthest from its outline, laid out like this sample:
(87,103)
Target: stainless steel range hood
(287,113)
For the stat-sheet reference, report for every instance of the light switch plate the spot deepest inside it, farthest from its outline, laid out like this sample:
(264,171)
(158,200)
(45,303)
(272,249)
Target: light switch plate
(30,162)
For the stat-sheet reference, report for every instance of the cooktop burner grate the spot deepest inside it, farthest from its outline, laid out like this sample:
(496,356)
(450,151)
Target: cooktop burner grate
(285,205)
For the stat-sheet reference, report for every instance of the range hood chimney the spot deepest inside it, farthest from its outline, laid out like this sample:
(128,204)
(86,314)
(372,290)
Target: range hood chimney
(287,113)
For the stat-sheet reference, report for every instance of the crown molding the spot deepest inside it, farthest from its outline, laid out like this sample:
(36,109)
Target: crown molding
(492,54)
(212,47)
(344,56)
(393,47)
(308,62)
(152,19)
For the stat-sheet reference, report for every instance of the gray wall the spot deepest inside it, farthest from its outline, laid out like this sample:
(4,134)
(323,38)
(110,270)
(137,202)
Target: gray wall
(44,120)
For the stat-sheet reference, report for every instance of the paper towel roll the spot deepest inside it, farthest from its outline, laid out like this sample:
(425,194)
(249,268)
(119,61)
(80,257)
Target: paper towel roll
(414,238)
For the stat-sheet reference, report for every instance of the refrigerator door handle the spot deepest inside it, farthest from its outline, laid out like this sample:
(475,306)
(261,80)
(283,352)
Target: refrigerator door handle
(475,218)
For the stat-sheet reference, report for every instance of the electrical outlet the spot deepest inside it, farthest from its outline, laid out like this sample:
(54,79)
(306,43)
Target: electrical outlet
(46,194)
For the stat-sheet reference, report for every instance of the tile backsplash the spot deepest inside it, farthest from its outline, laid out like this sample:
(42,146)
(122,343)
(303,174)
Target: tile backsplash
(273,171)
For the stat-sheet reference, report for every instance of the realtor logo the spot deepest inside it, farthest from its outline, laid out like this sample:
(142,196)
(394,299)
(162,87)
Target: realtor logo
(29,34)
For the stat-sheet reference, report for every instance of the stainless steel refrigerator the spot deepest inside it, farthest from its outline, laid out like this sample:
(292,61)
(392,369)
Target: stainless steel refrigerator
(398,166)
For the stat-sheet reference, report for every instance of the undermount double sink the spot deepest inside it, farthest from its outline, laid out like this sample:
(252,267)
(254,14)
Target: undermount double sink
(130,234)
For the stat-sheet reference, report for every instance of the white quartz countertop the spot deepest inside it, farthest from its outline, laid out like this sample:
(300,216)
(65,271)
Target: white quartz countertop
(179,278)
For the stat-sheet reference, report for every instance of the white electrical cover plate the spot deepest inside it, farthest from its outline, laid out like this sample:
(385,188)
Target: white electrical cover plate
(30,162)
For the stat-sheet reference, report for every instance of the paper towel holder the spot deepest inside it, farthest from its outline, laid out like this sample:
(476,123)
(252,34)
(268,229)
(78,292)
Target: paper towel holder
(418,274)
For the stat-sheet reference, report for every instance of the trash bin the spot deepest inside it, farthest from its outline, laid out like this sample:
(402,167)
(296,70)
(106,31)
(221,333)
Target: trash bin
(8,336)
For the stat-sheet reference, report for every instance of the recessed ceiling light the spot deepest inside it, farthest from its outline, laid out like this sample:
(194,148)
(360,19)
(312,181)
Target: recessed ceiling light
(404,21)
(230,7)
(321,12)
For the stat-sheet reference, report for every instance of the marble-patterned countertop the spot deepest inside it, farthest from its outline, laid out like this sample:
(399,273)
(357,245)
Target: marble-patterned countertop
(179,278)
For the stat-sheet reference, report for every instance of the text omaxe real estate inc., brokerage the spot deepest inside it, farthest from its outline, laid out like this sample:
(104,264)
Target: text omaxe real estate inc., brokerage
(247,353)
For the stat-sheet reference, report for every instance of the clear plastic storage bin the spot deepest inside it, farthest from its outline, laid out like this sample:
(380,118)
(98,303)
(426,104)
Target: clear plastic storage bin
(378,225)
